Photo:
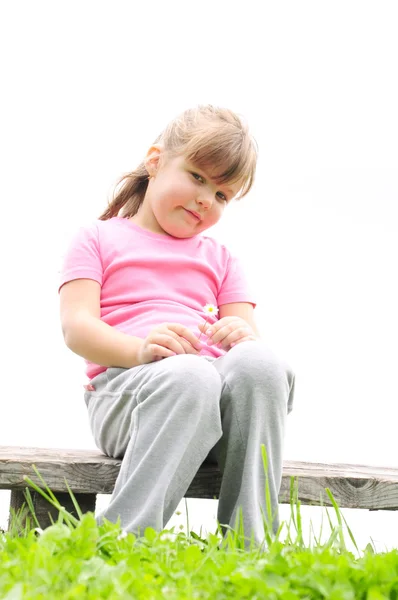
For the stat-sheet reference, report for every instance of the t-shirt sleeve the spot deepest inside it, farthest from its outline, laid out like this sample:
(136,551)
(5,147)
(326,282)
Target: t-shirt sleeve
(235,287)
(82,259)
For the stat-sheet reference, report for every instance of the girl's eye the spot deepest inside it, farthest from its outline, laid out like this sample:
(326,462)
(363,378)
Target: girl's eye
(197,177)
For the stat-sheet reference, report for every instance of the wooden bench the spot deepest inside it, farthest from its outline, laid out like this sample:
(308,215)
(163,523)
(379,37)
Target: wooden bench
(89,473)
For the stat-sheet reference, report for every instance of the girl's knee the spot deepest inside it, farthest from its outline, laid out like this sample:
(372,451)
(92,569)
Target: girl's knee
(258,361)
(194,373)
(259,369)
(192,382)
(195,387)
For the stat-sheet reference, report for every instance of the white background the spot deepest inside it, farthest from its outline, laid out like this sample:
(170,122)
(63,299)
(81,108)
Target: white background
(87,86)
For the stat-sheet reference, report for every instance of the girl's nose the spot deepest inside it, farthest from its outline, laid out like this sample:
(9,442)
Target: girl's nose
(205,199)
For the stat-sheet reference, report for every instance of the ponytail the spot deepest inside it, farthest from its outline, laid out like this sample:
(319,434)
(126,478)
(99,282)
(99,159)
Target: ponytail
(129,196)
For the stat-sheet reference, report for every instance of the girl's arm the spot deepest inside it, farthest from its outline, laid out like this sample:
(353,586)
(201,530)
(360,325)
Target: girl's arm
(244,310)
(88,336)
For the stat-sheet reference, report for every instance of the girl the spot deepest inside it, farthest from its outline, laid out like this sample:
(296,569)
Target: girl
(169,390)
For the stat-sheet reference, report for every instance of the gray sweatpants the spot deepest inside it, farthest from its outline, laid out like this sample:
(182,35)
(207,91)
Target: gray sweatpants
(165,418)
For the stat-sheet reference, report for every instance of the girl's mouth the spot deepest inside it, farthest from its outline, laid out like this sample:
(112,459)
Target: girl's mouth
(194,215)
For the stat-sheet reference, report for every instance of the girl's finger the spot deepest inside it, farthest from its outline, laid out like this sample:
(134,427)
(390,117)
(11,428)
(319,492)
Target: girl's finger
(159,352)
(216,334)
(180,332)
(174,342)
(228,334)
(188,348)
(167,341)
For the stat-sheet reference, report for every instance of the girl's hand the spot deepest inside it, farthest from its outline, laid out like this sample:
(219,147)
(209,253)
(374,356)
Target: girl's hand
(166,340)
(227,332)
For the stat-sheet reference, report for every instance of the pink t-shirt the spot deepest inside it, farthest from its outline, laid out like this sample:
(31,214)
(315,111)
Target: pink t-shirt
(149,278)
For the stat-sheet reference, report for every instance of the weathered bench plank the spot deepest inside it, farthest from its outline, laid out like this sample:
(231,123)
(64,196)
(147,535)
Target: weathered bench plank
(89,472)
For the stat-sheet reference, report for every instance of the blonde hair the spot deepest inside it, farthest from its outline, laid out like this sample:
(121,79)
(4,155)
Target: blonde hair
(208,137)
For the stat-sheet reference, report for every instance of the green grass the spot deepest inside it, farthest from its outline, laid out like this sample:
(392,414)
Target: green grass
(77,558)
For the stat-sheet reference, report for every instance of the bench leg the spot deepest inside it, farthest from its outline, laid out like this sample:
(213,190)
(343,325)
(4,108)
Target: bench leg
(42,508)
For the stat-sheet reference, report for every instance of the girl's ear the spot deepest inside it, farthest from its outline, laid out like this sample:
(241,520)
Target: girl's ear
(152,160)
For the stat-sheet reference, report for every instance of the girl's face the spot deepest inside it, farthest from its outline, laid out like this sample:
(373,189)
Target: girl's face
(181,199)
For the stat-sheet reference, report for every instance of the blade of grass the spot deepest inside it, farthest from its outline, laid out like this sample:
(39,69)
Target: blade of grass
(288,539)
(350,533)
(293,499)
(317,542)
(331,540)
(187,517)
(239,529)
(75,503)
(322,513)
(295,505)
(338,514)
(300,539)
(266,527)
(329,519)
(31,507)
(267,490)
(19,522)
(51,499)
